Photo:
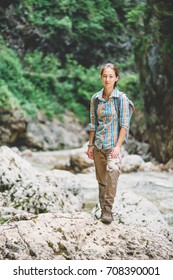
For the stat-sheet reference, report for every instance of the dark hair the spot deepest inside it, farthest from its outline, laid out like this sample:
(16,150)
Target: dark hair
(113,67)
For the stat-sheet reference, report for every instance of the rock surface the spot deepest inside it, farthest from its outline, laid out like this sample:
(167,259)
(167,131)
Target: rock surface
(40,134)
(55,135)
(132,209)
(63,231)
(65,236)
(24,188)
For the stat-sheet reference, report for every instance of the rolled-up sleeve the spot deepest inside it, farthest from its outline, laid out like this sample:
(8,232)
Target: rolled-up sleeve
(124,112)
(93,118)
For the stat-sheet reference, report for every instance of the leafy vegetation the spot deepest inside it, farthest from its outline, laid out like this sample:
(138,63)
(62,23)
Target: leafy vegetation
(66,43)
(74,27)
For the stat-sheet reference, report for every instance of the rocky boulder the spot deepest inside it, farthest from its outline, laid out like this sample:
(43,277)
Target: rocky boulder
(132,209)
(12,125)
(41,134)
(23,187)
(55,135)
(57,236)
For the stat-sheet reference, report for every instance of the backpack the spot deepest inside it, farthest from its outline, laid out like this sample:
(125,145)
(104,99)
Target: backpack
(117,108)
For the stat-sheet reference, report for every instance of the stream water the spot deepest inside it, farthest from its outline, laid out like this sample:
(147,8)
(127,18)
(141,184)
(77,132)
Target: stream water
(157,187)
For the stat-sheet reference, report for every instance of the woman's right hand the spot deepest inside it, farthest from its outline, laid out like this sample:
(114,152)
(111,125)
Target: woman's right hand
(90,152)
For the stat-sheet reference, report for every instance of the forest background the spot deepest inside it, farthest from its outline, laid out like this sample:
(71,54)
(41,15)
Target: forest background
(51,53)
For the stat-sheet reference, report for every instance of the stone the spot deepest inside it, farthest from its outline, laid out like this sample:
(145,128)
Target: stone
(131,163)
(58,236)
(24,188)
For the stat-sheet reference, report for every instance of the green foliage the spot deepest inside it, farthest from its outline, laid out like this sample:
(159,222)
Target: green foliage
(136,14)
(3,221)
(10,65)
(84,83)
(129,83)
(7,99)
(12,81)
(18,89)
(71,38)
(87,29)
(42,83)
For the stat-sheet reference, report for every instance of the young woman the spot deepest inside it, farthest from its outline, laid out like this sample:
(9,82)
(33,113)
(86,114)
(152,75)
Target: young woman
(108,126)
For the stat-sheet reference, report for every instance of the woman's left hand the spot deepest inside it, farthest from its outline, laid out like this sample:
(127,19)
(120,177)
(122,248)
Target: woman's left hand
(115,151)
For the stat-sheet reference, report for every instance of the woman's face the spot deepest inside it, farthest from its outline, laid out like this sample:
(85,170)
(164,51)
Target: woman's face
(109,78)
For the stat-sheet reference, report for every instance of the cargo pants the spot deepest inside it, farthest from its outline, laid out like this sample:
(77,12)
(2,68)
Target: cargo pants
(107,174)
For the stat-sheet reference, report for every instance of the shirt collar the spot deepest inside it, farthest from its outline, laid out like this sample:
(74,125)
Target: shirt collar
(114,93)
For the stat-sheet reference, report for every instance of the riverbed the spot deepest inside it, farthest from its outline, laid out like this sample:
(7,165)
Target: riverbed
(156,187)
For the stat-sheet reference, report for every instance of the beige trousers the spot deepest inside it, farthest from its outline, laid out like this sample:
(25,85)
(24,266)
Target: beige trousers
(107,174)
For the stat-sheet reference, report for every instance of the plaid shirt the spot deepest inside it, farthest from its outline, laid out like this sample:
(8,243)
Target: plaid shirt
(105,120)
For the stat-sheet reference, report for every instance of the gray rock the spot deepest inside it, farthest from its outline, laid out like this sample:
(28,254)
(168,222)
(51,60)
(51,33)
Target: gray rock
(131,163)
(12,125)
(132,209)
(40,134)
(24,188)
(54,236)
(55,135)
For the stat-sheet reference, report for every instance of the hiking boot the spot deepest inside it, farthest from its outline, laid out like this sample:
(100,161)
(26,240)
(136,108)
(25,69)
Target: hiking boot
(106,217)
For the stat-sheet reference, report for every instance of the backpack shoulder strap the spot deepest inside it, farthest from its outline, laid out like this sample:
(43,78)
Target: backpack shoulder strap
(117,101)
(96,102)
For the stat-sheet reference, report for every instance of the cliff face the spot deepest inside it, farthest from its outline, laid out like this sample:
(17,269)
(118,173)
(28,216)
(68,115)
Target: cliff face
(154,59)
(62,28)
(16,30)
(160,117)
